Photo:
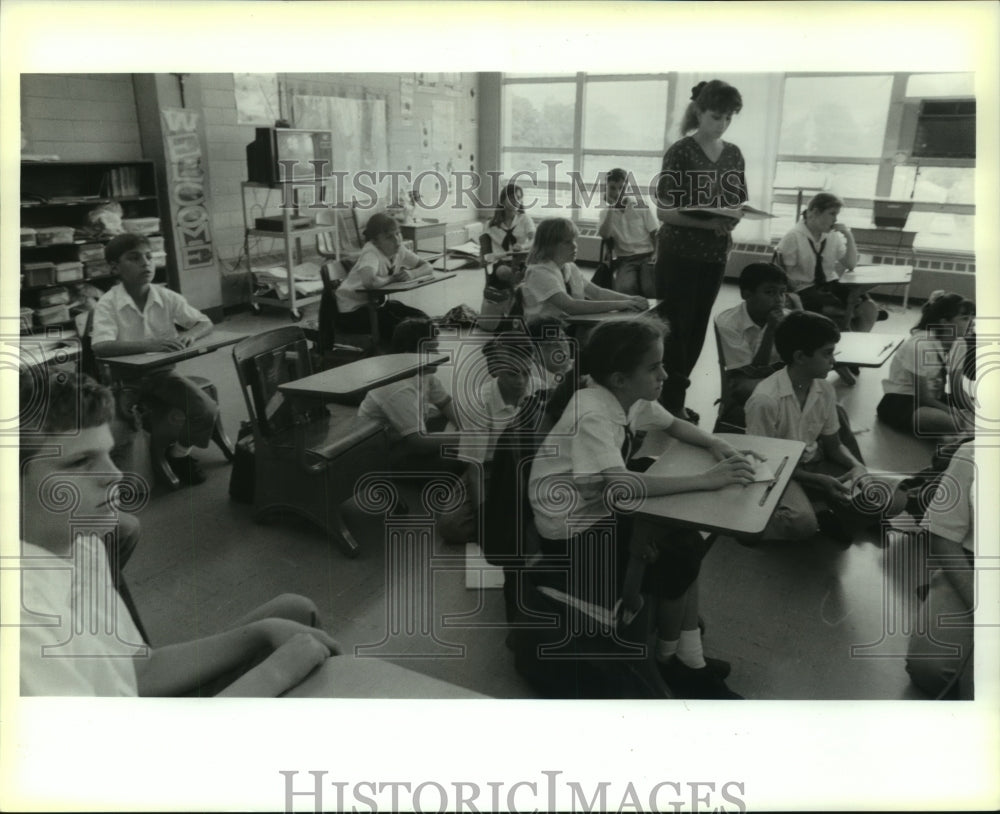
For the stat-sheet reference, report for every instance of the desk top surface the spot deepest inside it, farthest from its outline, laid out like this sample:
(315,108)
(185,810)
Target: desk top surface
(423,225)
(410,285)
(734,509)
(363,375)
(352,677)
(596,319)
(872,275)
(41,350)
(143,361)
(866,350)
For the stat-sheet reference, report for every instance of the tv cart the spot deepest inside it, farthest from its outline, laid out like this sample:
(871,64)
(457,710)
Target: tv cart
(292,240)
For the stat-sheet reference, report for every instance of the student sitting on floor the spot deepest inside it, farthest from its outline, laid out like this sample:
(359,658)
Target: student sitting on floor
(553,285)
(77,636)
(746,336)
(950,601)
(591,443)
(508,358)
(382,261)
(915,401)
(632,229)
(797,403)
(136,316)
(415,410)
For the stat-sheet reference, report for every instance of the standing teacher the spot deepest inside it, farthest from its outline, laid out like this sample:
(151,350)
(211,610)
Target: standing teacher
(699,170)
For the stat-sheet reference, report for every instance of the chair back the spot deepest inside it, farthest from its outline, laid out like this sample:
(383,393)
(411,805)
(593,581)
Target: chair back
(264,362)
(485,248)
(724,405)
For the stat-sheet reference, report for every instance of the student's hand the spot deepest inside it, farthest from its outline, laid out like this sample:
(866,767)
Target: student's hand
(296,658)
(851,477)
(775,316)
(641,303)
(163,345)
(400,276)
(186,340)
(833,488)
(733,470)
(843,228)
(277,632)
(723,449)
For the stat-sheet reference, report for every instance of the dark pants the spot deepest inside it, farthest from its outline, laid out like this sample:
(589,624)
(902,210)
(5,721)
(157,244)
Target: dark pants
(170,389)
(388,316)
(119,545)
(688,289)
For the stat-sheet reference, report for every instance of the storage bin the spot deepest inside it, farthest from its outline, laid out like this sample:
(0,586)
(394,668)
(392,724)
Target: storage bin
(156,244)
(54,296)
(28,236)
(53,315)
(69,272)
(53,235)
(99,268)
(36,274)
(141,226)
(26,316)
(90,253)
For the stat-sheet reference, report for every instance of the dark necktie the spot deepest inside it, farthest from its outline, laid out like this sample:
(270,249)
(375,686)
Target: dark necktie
(819,277)
(627,444)
(509,240)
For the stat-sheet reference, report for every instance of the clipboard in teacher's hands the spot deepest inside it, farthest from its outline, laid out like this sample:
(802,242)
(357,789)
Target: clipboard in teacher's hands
(738,212)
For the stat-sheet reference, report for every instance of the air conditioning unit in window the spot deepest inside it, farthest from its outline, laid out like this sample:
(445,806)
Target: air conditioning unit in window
(939,128)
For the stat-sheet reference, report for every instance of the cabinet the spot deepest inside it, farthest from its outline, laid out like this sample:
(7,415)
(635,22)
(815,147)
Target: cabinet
(62,248)
(264,288)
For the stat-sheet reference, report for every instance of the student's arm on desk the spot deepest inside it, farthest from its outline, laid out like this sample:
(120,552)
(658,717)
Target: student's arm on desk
(414,266)
(574,307)
(622,301)
(119,347)
(295,651)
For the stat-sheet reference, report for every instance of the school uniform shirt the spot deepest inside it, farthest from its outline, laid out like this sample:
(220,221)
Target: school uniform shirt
(485,418)
(919,355)
(117,318)
(630,226)
(522,228)
(371,270)
(954,516)
(542,280)
(739,337)
(798,248)
(402,406)
(684,164)
(773,411)
(587,439)
(77,636)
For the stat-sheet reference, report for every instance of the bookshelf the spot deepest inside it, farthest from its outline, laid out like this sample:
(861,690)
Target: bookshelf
(62,248)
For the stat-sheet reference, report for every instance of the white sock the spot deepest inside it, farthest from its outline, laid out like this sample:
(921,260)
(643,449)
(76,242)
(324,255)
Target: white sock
(665,649)
(178,451)
(689,649)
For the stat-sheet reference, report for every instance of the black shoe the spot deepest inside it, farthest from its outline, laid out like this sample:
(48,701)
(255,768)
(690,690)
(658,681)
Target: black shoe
(691,416)
(687,682)
(883,315)
(720,667)
(187,470)
(833,527)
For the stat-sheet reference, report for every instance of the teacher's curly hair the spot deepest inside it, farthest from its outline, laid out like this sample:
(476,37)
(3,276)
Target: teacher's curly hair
(714,95)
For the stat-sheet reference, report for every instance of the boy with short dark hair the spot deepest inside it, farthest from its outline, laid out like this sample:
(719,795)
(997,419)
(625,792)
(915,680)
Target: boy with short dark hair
(77,636)
(632,228)
(746,336)
(797,403)
(136,316)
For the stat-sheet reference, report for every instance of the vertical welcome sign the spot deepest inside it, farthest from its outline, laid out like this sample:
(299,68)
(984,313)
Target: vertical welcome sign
(187,188)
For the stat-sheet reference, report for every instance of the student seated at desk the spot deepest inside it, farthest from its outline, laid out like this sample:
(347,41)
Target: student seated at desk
(136,316)
(797,403)
(746,336)
(915,401)
(632,229)
(65,578)
(510,229)
(415,410)
(553,285)
(624,362)
(382,261)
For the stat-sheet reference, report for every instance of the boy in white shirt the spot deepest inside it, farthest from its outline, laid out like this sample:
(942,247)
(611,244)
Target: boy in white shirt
(632,228)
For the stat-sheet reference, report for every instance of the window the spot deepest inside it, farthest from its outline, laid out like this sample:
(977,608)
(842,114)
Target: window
(539,115)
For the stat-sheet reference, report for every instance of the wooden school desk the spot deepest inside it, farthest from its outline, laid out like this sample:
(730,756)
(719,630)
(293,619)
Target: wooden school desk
(135,364)
(36,351)
(592,320)
(398,288)
(418,230)
(871,276)
(735,509)
(345,384)
(353,677)
(866,350)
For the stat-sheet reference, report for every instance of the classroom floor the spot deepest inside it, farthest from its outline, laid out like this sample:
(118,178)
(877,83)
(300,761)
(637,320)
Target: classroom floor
(797,621)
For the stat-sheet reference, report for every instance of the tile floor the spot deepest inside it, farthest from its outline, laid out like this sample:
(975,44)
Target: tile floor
(802,621)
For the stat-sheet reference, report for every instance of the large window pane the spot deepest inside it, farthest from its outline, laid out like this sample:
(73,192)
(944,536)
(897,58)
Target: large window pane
(939,230)
(521,163)
(539,115)
(835,116)
(625,115)
(954,185)
(924,85)
(843,180)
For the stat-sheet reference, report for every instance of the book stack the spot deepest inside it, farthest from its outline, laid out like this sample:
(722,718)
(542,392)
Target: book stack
(69,272)
(96,268)
(53,235)
(27,236)
(90,253)
(120,182)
